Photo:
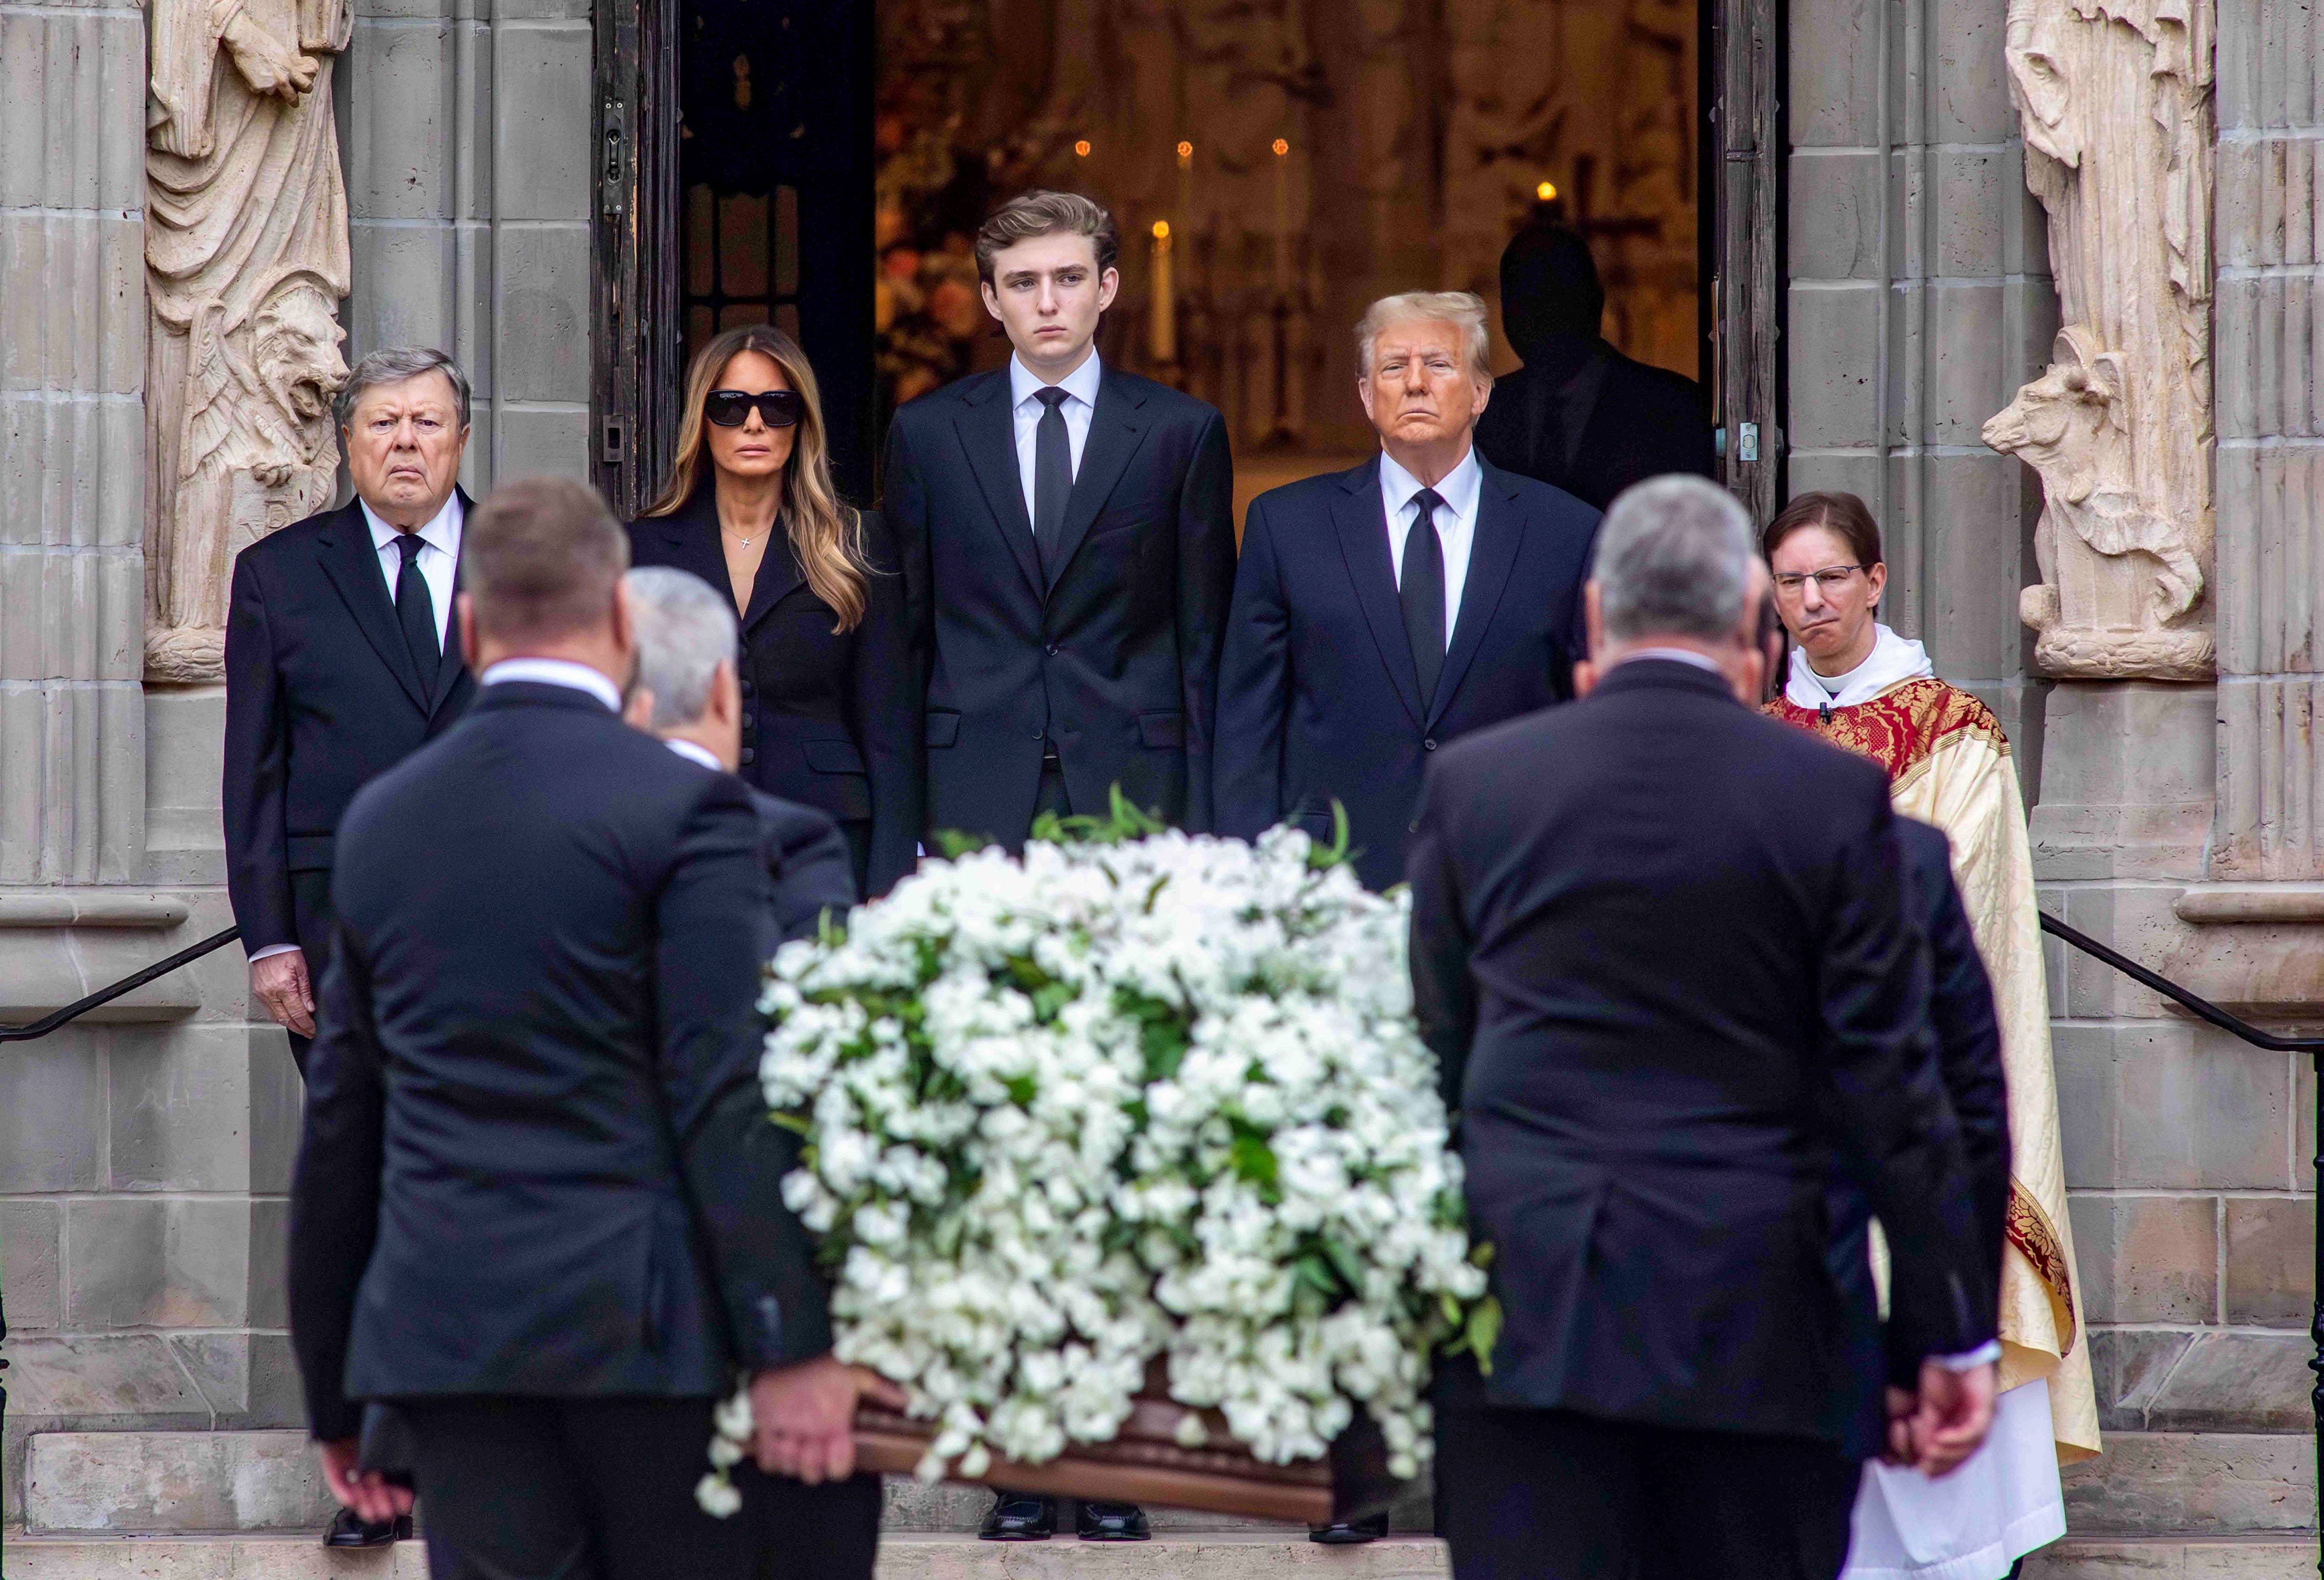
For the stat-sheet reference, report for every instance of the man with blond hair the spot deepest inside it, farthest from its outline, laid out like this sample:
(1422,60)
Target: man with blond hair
(1382,611)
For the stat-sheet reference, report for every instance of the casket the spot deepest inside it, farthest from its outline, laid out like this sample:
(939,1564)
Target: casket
(1145,1463)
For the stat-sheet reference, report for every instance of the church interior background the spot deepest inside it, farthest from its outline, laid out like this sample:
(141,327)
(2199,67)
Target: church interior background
(1273,168)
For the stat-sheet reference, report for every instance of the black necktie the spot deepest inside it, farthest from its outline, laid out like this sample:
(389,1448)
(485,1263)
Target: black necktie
(415,612)
(1422,594)
(1053,473)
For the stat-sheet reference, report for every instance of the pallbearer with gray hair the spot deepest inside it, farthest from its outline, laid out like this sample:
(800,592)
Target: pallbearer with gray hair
(686,692)
(1383,612)
(340,660)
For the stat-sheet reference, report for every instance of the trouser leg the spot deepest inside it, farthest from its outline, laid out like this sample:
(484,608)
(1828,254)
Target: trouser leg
(639,1460)
(827,1532)
(500,1496)
(1538,1494)
(1746,1507)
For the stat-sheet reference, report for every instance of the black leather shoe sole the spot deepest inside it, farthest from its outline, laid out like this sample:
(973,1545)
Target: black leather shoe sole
(1114,1522)
(1349,1533)
(1019,1520)
(348,1531)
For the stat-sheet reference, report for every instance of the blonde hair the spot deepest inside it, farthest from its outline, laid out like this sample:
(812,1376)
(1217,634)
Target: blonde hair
(1463,309)
(826,535)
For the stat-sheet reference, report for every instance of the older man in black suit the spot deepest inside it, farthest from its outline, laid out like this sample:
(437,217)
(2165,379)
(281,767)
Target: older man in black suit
(687,694)
(340,662)
(1382,613)
(1664,955)
(538,1204)
(1067,537)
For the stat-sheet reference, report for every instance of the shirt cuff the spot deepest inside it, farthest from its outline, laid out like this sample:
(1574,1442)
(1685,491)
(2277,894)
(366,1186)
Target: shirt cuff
(257,955)
(1984,1354)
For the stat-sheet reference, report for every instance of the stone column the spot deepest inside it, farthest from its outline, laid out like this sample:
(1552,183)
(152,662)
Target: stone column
(470,149)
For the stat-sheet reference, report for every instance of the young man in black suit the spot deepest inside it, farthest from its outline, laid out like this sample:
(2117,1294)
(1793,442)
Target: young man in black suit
(1382,612)
(340,660)
(687,695)
(1067,537)
(1663,953)
(538,1204)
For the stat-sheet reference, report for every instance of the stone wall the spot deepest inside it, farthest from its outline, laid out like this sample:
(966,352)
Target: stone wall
(470,136)
(1919,302)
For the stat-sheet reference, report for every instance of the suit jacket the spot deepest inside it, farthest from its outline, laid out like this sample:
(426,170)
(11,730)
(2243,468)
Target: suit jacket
(831,720)
(1968,1059)
(321,696)
(808,862)
(1112,657)
(535,1160)
(1318,699)
(1662,952)
(1642,421)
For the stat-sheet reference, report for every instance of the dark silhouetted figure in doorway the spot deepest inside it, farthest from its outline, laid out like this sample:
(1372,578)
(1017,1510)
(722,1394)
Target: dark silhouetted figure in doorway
(1580,416)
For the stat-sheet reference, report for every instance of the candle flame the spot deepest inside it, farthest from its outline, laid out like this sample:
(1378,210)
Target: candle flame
(1186,150)
(1161,230)
(1545,191)
(1082,148)
(1282,147)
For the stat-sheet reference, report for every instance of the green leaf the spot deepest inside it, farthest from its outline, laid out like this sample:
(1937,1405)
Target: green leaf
(1323,859)
(1345,1263)
(1313,1272)
(1484,1332)
(955,844)
(796,1124)
(1481,1254)
(1155,893)
(1021,1088)
(1254,1159)
(1047,1001)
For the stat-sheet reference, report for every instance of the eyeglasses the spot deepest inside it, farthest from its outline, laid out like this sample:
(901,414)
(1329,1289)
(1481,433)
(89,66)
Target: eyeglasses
(1831,579)
(732,408)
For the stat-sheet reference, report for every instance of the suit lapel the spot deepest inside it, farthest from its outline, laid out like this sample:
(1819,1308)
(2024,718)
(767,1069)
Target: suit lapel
(1362,528)
(778,572)
(1116,427)
(1492,551)
(351,561)
(990,437)
(448,667)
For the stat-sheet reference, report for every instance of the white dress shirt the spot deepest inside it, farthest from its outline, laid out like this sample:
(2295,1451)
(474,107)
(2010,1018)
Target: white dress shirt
(1456,522)
(555,671)
(1079,406)
(694,752)
(439,562)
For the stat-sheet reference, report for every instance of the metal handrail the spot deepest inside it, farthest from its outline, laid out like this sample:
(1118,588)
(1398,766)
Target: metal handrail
(2203,1009)
(104,995)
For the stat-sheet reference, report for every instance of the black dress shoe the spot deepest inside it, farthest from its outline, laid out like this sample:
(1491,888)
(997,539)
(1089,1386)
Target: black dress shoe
(1020,1517)
(1113,1522)
(1349,1532)
(349,1529)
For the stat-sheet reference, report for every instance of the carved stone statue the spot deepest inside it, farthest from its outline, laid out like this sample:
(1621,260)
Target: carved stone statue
(247,261)
(2115,97)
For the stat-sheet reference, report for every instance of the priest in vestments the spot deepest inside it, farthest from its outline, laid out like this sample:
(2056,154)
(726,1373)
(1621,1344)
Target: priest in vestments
(1859,686)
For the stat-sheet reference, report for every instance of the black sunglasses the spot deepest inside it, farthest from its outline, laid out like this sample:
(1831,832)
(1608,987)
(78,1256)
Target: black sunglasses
(732,408)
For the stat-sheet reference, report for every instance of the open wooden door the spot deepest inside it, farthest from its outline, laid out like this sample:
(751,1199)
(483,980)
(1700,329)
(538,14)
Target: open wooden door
(637,352)
(1746,285)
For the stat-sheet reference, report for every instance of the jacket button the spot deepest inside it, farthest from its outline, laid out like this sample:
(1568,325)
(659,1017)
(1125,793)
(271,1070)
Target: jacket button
(1051,649)
(747,687)
(749,756)
(1411,828)
(1429,744)
(750,720)
(1040,734)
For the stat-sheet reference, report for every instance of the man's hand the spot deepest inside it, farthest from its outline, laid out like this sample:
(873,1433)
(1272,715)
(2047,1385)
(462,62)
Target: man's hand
(804,1416)
(1898,1449)
(1951,1416)
(366,1492)
(265,63)
(280,984)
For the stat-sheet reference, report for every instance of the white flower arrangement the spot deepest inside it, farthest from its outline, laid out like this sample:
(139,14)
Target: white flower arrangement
(1138,1095)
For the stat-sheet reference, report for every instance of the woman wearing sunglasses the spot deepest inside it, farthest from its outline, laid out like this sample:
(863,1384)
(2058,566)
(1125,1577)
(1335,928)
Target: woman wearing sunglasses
(830,706)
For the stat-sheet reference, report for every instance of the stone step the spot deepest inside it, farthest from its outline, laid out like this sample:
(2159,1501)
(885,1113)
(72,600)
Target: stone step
(1225,1555)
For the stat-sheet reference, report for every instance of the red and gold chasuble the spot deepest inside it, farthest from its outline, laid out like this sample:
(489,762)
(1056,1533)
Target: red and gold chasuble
(1948,764)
